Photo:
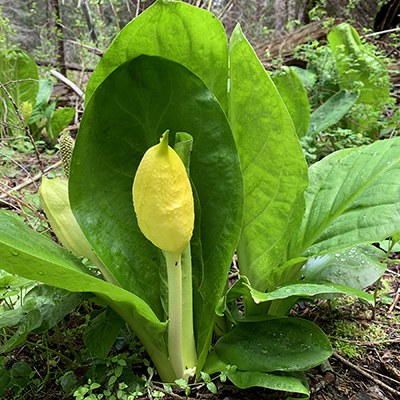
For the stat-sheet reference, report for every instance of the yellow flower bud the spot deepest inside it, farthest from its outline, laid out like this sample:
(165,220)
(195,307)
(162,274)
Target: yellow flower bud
(163,198)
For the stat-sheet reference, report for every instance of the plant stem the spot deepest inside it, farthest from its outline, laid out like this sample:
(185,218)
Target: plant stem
(189,346)
(180,327)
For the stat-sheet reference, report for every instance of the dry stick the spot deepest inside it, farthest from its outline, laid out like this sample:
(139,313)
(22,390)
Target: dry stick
(381,32)
(395,301)
(366,374)
(30,181)
(67,82)
(26,127)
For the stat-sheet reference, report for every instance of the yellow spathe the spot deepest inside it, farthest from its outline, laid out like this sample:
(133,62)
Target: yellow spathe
(163,198)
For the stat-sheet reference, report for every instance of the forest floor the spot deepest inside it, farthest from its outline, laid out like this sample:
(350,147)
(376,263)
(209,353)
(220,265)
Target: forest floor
(366,360)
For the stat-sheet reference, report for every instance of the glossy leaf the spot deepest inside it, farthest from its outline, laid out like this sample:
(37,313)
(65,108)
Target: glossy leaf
(357,68)
(176,31)
(284,381)
(119,125)
(353,198)
(273,165)
(281,344)
(332,111)
(31,255)
(358,267)
(293,291)
(275,381)
(295,97)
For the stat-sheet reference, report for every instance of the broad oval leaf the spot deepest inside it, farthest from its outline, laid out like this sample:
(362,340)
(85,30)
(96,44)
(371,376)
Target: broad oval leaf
(274,169)
(281,344)
(353,198)
(126,115)
(177,31)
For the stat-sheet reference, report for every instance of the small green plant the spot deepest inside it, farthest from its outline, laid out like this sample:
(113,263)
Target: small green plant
(296,230)
(26,102)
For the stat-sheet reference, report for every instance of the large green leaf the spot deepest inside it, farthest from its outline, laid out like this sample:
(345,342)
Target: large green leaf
(176,31)
(359,69)
(295,97)
(126,115)
(274,169)
(353,198)
(358,267)
(33,256)
(332,111)
(281,344)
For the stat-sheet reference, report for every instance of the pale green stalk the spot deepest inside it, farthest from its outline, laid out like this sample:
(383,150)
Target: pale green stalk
(181,346)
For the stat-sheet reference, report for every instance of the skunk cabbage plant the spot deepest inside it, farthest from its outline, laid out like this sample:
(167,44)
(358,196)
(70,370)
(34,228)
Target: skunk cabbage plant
(229,176)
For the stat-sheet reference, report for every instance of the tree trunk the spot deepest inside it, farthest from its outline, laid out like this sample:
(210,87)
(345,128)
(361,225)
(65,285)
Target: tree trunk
(89,21)
(55,6)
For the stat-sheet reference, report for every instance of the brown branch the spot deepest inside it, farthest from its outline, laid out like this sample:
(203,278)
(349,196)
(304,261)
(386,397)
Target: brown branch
(366,374)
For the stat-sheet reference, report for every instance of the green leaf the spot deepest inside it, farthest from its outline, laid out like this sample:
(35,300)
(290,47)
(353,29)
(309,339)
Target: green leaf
(353,198)
(53,303)
(357,267)
(294,95)
(293,292)
(177,31)
(332,111)
(359,69)
(41,101)
(100,334)
(309,290)
(281,344)
(294,382)
(21,373)
(289,381)
(18,65)
(307,76)
(33,256)
(60,120)
(30,321)
(273,165)
(126,115)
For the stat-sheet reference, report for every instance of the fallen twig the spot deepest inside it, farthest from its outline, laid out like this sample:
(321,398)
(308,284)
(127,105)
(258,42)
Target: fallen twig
(67,82)
(366,374)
